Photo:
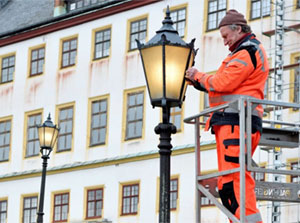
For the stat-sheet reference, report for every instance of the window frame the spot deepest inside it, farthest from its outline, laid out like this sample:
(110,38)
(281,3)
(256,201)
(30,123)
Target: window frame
(31,208)
(292,177)
(217,11)
(293,59)
(296,75)
(210,204)
(95,200)
(58,121)
(30,61)
(7,119)
(261,9)
(26,122)
(3,200)
(255,175)
(6,56)
(61,205)
(129,23)
(177,9)
(94,41)
(174,192)
(131,185)
(174,114)
(125,113)
(61,53)
(90,113)
(85,4)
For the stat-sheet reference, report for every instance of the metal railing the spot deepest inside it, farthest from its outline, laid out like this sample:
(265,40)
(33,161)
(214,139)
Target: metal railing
(244,106)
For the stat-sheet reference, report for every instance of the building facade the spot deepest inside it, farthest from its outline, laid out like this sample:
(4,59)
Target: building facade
(78,61)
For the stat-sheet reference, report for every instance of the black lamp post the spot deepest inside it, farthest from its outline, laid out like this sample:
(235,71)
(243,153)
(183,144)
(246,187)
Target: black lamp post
(47,136)
(165,59)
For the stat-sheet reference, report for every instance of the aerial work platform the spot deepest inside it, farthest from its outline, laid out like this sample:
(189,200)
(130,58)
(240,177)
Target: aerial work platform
(276,134)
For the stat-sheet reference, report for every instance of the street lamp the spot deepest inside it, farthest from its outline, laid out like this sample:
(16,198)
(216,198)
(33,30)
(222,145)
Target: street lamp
(47,137)
(165,59)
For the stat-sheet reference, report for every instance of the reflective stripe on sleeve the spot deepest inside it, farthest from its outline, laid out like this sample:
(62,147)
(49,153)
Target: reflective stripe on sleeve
(237,60)
(211,88)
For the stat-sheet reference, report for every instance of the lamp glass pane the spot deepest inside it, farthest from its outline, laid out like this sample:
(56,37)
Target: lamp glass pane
(152,58)
(41,136)
(55,135)
(47,136)
(185,83)
(176,60)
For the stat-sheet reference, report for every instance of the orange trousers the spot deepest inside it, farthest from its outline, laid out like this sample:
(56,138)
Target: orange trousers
(228,150)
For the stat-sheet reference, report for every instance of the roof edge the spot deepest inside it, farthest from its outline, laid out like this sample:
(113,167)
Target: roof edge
(70,19)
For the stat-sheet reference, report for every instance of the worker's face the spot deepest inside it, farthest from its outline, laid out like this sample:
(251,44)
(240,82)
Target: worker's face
(230,36)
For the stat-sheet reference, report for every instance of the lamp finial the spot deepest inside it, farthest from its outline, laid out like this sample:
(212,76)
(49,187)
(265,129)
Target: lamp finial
(49,117)
(167,19)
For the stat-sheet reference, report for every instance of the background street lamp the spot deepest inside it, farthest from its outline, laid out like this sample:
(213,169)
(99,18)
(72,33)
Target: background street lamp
(165,59)
(47,136)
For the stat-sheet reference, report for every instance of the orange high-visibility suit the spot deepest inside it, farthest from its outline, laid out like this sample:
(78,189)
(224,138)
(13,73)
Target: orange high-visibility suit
(242,73)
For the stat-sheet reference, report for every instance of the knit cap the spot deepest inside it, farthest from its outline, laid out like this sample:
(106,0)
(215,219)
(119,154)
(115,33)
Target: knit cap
(233,17)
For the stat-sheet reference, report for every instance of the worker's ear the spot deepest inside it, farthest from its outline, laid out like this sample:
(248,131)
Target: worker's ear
(239,29)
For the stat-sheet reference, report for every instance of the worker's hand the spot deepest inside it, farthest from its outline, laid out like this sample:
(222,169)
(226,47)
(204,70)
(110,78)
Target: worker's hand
(190,75)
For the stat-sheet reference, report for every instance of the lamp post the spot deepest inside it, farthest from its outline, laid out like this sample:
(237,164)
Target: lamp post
(47,137)
(165,59)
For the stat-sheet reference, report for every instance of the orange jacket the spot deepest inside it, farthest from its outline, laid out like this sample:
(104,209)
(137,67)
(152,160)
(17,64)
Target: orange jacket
(242,73)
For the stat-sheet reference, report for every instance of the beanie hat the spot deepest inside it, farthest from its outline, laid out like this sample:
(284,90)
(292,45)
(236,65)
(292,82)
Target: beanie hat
(233,17)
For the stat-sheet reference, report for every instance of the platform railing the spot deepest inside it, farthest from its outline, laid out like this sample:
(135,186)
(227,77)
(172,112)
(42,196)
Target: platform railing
(244,106)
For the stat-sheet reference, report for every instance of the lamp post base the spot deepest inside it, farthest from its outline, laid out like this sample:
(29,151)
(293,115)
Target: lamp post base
(164,130)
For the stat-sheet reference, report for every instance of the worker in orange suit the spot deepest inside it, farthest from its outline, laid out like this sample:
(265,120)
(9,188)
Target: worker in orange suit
(242,73)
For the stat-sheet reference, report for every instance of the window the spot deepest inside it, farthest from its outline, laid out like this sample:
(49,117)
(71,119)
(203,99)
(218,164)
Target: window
(296,96)
(258,176)
(260,8)
(138,30)
(3,211)
(69,51)
(210,184)
(65,122)
(5,131)
(29,209)
(205,202)
(216,12)
(179,18)
(135,109)
(173,193)
(130,199)
(298,4)
(37,61)
(94,203)
(7,69)
(175,117)
(98,122)
(295,166)
(33,145)
(102,43)
(78,4)
(61,207)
